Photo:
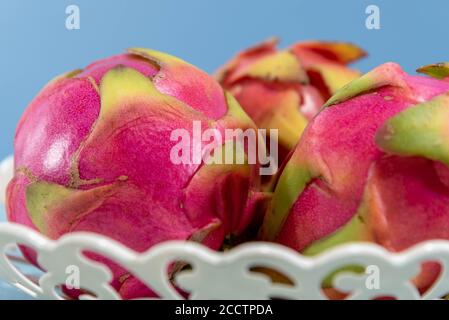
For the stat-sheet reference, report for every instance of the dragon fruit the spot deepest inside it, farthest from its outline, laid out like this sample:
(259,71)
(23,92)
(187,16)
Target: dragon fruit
(284,89)
(371,166)
(92,153)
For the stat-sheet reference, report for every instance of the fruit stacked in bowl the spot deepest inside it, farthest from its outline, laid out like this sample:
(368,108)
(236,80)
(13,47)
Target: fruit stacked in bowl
(361,158)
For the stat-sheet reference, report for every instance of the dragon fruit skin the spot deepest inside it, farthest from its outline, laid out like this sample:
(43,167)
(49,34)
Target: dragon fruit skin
(437,70)
(284,89)
(92,153)
(371,166)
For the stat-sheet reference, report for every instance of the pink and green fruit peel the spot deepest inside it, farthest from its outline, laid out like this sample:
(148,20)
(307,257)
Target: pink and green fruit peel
(284,89)
(92,153)
(371,166)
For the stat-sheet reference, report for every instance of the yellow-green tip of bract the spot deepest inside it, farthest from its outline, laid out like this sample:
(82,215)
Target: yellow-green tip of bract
(421,130)
(281,66)
(386,74)
(41,198)
(157,57)
(437,70)
(121,84)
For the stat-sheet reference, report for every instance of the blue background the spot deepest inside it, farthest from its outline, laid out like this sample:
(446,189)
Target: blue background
(36,46)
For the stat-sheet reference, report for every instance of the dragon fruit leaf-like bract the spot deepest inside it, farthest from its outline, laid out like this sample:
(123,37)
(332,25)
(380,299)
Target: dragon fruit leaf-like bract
(92,153)
(284,89)
(371,166)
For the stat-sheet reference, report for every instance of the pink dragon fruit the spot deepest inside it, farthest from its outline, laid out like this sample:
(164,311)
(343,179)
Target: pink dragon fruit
(284,89)
(92,153)
(371,166)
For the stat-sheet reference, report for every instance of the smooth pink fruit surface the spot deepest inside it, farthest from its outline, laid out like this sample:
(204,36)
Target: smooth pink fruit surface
(372,166)
(92,153)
